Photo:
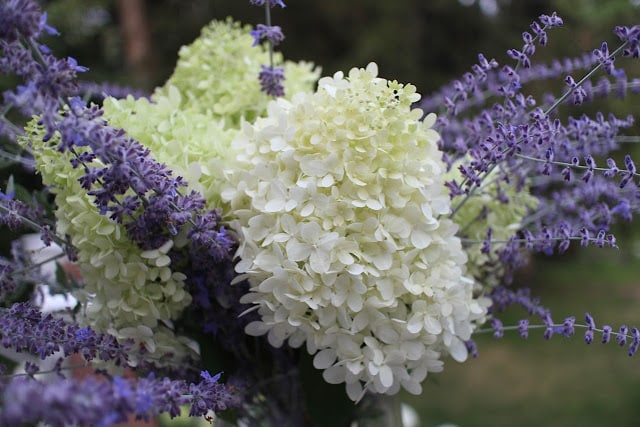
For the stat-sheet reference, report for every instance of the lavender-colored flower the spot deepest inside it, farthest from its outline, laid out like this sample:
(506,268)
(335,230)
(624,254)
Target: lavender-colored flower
(621,338)
(26,329)
(19,18)
(498,329)
(523,328)
(271,33)
(271,3)
(7,278)
(633,347)
(472,348)
(271,79)
(104,402)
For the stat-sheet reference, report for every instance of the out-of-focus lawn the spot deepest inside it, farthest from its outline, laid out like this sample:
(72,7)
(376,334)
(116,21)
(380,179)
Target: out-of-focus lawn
(562,382)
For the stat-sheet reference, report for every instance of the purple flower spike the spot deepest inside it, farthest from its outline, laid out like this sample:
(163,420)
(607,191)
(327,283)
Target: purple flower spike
(19,18)
(264,32)
(271,3)
(271,79)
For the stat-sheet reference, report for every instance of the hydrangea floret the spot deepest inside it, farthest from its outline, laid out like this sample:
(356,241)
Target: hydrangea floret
(342,209)
(127,291)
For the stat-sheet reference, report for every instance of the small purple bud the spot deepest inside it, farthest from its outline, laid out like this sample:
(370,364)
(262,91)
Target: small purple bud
(523,328)
(498,330)
(472,348)
(591,324)
(588,336)
(621,338)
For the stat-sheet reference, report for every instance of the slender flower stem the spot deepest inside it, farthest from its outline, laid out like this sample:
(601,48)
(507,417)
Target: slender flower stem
(584,79)
(267,19)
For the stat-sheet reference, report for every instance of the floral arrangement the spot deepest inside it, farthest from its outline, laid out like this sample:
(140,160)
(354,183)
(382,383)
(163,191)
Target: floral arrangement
(251,231)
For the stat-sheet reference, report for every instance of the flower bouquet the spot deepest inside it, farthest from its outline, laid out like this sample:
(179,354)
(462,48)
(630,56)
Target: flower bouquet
(267,247)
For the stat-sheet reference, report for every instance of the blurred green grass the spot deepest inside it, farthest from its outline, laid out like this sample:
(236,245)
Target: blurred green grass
(561,382)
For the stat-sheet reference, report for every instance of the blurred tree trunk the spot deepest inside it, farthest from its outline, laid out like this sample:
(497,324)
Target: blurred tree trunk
(136,34)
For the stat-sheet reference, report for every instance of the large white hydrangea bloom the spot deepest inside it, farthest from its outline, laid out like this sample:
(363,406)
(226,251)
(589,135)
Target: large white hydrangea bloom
(342,209)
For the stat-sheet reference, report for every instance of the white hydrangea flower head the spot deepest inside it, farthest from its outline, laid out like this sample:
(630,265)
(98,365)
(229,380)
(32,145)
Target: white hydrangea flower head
(342,208)
(485,209)
(127,291)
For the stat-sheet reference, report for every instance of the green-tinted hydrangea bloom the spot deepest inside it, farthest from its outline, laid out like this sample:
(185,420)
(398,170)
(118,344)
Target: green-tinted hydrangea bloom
(127,291)
(218,73)
(191,120)
(483,210)
(342,209)
(194,144)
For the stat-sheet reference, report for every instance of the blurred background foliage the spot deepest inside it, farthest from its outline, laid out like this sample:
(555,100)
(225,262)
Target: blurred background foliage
(423,42)
(427,43)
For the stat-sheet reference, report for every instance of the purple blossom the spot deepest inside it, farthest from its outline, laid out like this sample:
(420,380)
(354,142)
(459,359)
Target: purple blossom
(271,3)
(19,18)
(271,33)
(103,402)
(271,79)
(498,329)
(523,328)
(472,348)
(26,329)
(606,334)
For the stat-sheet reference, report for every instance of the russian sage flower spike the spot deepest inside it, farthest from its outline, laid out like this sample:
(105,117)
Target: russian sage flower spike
(270,3)
(104,402)
(271,77)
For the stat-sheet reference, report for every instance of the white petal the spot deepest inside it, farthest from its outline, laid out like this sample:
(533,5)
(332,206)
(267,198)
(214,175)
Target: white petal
(256,329)
(334,375)
(297,251)
(324,358)
(458,350)
(386,376)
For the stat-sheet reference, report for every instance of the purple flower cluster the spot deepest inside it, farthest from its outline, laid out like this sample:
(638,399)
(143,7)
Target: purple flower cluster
(624,336)
(269,3)
(26,330)
(271,33)
(491,125)
(271,80)
(503,298)
(104,402)
(270,76)
(91,401)
(130,187)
